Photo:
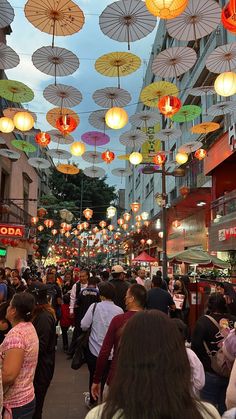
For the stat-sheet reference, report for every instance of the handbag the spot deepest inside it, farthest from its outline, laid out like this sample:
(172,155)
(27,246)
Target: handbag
(79,357)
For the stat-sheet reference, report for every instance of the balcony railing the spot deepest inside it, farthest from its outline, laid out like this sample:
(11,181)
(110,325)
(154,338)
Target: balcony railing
(13,214)
(223,206)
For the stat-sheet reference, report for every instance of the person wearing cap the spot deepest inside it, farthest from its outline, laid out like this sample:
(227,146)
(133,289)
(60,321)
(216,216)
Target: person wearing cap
(121,286)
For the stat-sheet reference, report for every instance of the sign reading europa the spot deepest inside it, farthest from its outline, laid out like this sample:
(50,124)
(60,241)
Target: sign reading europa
(9,230)
(226,233)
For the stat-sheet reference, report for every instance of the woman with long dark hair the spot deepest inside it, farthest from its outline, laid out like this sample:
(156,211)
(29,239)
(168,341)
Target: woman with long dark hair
(153,377)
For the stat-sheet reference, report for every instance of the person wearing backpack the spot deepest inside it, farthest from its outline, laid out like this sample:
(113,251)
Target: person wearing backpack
(208,337)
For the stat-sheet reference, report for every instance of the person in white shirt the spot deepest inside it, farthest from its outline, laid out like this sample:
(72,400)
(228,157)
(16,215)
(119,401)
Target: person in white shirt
(99,318)
(140,279)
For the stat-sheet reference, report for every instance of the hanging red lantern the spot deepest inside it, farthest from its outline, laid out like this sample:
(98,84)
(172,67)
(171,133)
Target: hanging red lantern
(54,232)
(40,228)
(228,16)
(142,241)
(85,225)
(102,224)
(169,105)
(200,154)
(88,213)
(120,221)
(66,124)
(48,223)
(34,220)
(43,139)
(176,224)
(108,156)
(159,158)
(41,212)
(135,206)
(184,191)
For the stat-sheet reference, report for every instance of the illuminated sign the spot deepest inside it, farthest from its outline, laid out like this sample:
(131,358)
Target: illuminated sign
(3,252)
(14,231)
(226,233)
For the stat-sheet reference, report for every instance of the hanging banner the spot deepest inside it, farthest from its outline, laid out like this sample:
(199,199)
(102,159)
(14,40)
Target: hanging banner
(152,145)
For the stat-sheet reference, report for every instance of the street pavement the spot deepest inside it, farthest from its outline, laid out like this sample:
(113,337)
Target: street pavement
(65,399)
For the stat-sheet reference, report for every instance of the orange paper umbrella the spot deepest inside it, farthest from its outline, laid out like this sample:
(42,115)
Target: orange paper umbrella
(205,128)
(54,114)
(152,93)
(67,169)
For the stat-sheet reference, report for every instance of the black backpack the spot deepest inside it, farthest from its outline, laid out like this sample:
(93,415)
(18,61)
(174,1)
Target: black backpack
(10,292)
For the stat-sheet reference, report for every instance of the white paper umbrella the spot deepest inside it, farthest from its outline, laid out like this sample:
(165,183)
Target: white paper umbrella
(121,172)
(111,96)
(62,95)
(173,62)
(2,141)
(39,163)
(9,154)
(94,172)
(222,108)
(199,19)
(222,59)
(97,119)
(10,112)
(59,154)
(127,21)
(6,13)
(169,134)
(94,157)
(8,57)
(145,119)
(133,138)
(190,147)
(202,91)
(59,138)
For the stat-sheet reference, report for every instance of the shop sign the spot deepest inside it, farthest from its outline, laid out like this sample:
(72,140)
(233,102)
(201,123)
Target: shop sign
(226,233)
(14,231)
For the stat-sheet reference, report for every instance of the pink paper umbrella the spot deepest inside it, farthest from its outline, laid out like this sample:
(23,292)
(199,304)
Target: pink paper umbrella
(95,138)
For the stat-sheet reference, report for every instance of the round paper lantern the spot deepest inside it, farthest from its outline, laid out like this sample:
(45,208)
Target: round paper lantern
(120,221)
(68,227)
(111,212)
(34,220)
(54,232)
(43,139)
(66,124)
(138,230)
(228,16)
(116,118)
(135,206)
(225,84)
(127,216)
(40,228)
(200,154)
(181,158)
(147,223)
(6,125)
(77,149)
(184,191)
(63,225)
(111,227)
(142,241)
(149,242)
(125,226)
(166,9)
(160,234)
(41,212)
(85,225)
(159,158)
(48,223)
(169,105)
(23,121)
(145,215)
(138,218)
(138,224)
(88,213)
(102,224)
(67,234)
(108,156)
(135,158)
(62,231)
(176,224)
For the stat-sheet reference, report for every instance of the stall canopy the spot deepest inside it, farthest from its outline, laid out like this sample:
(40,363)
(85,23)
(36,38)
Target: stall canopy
(144,257)
(198,257)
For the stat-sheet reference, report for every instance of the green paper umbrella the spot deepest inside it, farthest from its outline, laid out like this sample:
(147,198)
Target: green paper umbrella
(23,146)
(15,91)
(187,113)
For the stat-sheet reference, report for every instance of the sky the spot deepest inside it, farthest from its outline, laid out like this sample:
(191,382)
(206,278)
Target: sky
(88,44)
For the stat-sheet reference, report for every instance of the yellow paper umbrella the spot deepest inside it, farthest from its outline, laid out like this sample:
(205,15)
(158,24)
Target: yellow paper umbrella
(67,169)
(54,114)
(117,64)
(123,157)
(205,128)
(152,93)
(15,91)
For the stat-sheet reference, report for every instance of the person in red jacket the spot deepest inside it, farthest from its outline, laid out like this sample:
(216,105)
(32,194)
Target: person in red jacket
(66,321)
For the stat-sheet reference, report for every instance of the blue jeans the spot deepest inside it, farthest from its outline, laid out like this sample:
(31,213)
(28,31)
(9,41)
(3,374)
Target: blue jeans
(214,391)
(24,412)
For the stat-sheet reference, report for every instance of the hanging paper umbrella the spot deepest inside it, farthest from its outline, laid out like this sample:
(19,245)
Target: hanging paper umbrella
(173,62)
(93,157)
(148,170)
(222,59)
(97,119)
(9,154)
(6,14)
(222,108)
(127,21)
(190,147)
(122,172)
(61,17)
(145,119)
(111,96)
(59,138)
(24,146)
(54,114)
(94,172)
(151,94)
(39,163)
(133,138)
(8,57)
(169,134)
(203,91)
(59,154)
(199,19)
(95,138)
(55,61)
(62,95)
(205,127)
(67,169)
(15,91)
(10,112)
(117,64)
(187,113)
(123,157)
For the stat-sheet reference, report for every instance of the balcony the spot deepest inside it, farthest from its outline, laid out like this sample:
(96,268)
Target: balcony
(13,214)
(224,208)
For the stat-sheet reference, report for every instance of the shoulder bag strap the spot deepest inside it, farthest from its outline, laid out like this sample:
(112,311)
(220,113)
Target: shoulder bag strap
(213,321)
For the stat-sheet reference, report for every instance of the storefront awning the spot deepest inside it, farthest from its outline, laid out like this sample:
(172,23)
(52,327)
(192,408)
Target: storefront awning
(198,257)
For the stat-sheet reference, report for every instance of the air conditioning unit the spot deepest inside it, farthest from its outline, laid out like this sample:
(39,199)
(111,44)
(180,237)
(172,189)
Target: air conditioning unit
(232,137)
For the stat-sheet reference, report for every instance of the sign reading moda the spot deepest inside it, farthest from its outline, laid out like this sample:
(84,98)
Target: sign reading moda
(13,231)
(226,233)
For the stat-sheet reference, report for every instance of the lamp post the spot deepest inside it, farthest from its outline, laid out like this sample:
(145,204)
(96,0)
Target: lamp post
(164,218)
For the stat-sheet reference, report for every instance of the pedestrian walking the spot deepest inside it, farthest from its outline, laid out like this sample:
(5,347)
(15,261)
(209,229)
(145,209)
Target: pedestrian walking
(65,321)
(159,299)
(121,286)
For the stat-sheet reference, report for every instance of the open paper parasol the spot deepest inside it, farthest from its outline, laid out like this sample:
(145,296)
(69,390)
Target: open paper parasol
(62,95)
(97,119)
(117,64)
(151,94)
(15,91)
(127,21)
(95,138)
(10,112)
(6,14)
(93,157)
(222,108)
(123,157)
(9,154)
(203,91)
(59,154)
(169,134)
(94,172)
(60,17)
(145,119)
(199,19)
(54,114)
(24,146)
(205,128)
(121,172)
(187,113)
(222,59)
(190,147)
(67,169)
(2,140)
(148,170)
(59,138)
(111,96)
(8,57)
(57,62)
(133,138)
(173,62)
(39,163)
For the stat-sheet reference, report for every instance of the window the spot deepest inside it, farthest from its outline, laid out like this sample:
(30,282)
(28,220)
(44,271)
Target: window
(152,213)
(26,191)
(172,153)
(147,190)
(137,181)
(152,184)
(5,183)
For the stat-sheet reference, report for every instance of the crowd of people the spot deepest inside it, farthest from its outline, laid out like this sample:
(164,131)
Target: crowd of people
(143,361)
